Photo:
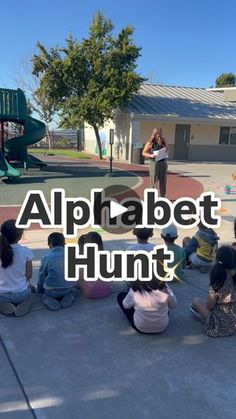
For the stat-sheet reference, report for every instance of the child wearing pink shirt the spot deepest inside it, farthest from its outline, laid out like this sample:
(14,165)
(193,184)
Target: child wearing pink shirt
(147,305)
(98,288)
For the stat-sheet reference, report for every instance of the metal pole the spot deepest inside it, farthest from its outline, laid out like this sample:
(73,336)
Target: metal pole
(111,158)
(111,142)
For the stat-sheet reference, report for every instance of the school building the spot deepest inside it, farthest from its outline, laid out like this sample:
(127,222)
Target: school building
(199,124)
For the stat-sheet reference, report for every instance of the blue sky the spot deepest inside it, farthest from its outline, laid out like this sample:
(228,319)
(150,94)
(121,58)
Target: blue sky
(183,43)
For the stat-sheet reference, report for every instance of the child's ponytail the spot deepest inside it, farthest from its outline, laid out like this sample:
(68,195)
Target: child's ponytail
(6,252)
(9,234)
(225,259)
(217,276)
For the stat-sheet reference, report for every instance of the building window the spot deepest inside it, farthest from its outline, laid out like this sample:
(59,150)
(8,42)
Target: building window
(228,135)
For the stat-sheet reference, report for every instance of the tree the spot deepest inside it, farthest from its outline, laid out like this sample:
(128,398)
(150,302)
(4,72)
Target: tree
(225,80)
(86,81)
(36,101)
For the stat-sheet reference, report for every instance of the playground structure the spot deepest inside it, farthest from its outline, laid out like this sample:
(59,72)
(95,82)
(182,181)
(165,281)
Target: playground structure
(13,108)
(231,188)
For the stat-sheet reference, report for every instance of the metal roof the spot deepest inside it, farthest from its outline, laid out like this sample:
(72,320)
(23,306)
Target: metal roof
(181,102)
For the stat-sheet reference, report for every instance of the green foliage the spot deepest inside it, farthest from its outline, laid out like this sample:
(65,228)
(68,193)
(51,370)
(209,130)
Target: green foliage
(86,81)
(226,80)
(29,107)
(15,129)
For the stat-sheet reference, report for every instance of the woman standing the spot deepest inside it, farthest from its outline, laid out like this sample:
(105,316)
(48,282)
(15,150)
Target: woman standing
(157,168)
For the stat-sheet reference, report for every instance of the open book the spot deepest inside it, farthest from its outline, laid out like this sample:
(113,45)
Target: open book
(160,154)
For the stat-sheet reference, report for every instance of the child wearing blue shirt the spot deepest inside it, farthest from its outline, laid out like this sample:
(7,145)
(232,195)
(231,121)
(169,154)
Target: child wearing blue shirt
(56,291)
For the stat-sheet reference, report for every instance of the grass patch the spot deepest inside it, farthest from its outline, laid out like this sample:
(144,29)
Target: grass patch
(60,152)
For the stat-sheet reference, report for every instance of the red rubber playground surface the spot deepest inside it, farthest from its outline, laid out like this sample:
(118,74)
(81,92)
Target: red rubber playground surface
(177,185)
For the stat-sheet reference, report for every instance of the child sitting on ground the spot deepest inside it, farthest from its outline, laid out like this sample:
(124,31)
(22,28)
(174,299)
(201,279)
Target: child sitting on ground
(147,305)
(170,234)
(98,288)
(200,250)
(15,271)
(142,235)
(219,311)
(56,291)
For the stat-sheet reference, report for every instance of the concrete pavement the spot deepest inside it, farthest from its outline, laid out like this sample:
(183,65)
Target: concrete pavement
(86,362)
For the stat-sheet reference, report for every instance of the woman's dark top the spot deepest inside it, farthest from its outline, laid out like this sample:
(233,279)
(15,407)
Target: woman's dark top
(157,147)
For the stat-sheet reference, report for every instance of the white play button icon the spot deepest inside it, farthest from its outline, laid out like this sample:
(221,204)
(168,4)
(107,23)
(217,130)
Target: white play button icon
(116,209)
(110,214)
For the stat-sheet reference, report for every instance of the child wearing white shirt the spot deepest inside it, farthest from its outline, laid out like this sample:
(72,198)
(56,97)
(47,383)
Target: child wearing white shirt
(147,305)
(15,271)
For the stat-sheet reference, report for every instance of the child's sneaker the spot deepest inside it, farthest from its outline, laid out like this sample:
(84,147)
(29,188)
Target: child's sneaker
(51,303)
(7,308)
(67,301)
(23,308)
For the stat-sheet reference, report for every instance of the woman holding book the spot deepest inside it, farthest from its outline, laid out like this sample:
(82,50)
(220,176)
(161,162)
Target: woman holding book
(156,150)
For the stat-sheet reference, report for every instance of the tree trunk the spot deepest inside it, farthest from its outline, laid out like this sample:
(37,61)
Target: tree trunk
(98,141)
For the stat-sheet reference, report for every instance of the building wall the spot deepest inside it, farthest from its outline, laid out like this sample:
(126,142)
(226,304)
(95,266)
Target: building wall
(204,134)
(204,141)
(219,153)
(122,146)
(89,139)
(90,142)
(131,135)
(123,140)
(205,144)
